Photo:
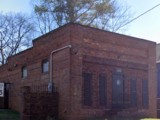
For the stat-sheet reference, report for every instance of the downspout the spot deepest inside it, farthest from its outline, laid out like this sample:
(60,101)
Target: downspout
(50,85)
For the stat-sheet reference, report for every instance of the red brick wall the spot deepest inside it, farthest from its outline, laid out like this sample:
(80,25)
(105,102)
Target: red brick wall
(32,58)
(106,45)
(69,64)
(38,104)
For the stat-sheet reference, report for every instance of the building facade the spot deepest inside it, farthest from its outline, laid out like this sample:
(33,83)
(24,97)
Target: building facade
(158,78)
(96,73)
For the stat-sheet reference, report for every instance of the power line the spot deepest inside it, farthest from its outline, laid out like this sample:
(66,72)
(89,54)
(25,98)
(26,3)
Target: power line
(141,14)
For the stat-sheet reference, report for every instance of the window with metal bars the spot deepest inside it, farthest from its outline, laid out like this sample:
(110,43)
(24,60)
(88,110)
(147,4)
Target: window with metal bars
(102,90)
(145,93)
(87,89)
(133,85)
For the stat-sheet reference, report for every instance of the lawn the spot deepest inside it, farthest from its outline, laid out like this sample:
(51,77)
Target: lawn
(129,119)
(150,119)
(126,118)
(9,115)
(13,115)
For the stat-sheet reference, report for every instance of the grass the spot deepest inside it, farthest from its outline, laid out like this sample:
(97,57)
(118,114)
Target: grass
(6,114)
(150,119)
(126,118)
(13,115)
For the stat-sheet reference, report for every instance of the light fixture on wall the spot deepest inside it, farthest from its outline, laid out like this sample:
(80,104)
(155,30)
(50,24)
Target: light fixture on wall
(15,65)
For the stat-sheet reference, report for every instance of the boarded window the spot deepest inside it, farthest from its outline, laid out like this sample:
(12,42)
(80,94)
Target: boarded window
(102,90)
(133,92)
(145,93)
(87,89)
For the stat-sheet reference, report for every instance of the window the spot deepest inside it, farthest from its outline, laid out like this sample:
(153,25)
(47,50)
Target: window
(145,93)
(118,89)
(24,72)
(102,90)
(158,80)
(133,85)
(87,89)
(45,66)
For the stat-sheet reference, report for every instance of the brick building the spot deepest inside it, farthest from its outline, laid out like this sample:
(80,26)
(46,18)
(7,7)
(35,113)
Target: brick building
(158,78)
(95,72)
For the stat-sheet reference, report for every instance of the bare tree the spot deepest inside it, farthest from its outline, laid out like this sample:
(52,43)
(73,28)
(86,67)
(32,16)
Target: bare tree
(103,14)
(16,33)
(44,22)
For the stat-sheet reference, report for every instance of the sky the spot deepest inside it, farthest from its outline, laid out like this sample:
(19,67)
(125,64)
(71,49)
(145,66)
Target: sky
(15,6)
(145,27)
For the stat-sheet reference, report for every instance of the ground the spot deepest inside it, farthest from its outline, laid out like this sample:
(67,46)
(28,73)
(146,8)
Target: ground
(13,115)
(9,115)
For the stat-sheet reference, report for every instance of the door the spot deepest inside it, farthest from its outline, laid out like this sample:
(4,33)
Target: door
(6,96)
(117,91)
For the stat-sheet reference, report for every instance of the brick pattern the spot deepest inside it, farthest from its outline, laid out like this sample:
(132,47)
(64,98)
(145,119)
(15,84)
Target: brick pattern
(39,106)
(101,52)
(129,73)
(92,50)
(32,58)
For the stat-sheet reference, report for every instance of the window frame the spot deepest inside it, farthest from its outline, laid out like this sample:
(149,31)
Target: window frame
(133,92)
(87,89)
(24,72)
(102,90)
(145,94)
(43,65)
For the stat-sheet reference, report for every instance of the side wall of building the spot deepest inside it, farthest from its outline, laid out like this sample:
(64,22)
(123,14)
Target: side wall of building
(99,52)
(158,79)
(158,90)
(32,59)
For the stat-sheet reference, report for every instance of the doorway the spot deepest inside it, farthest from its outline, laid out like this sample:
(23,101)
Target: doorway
(4,95)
